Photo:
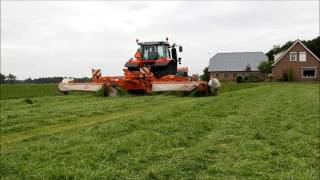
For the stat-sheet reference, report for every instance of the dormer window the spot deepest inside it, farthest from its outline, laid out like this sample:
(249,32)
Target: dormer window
(302,56)
(293,56)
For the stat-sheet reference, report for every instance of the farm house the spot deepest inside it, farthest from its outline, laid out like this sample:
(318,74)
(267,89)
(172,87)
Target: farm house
(303,64)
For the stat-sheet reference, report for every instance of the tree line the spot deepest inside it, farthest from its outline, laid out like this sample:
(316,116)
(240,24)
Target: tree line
(313,45)
(10,78)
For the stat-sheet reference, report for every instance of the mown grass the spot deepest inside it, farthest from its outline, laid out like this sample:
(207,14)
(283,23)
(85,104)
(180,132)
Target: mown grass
(270,131)
(10,91)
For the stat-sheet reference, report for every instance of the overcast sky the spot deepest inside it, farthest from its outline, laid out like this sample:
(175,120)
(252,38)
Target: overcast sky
(54,38)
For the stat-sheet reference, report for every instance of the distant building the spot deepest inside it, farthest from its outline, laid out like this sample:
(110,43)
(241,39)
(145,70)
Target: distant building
(227,66)
(304,64)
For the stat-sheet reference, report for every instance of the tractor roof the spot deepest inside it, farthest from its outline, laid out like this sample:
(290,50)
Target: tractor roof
(154,43)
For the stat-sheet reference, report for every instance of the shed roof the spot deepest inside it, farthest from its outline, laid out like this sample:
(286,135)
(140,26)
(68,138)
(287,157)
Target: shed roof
(236,61)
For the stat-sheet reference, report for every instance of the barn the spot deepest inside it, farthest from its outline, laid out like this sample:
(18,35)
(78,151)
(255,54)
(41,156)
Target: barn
(227,66)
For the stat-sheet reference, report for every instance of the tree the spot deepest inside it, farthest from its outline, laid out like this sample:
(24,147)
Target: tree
(205,76)
(2,78)
(265,66)
(313,45)
(277,49)
(29,80)
(248,68)
(11,78)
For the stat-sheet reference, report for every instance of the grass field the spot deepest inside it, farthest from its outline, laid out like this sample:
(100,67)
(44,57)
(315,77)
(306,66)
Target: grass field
(249,131)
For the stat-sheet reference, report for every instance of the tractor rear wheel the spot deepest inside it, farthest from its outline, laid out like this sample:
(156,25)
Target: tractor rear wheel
(170,69)
(133,69)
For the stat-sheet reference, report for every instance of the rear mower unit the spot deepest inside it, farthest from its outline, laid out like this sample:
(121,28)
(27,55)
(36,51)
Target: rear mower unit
(153,69)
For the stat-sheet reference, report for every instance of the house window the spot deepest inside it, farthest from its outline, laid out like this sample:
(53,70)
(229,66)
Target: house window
(308,72)
(293,56)
(302,56)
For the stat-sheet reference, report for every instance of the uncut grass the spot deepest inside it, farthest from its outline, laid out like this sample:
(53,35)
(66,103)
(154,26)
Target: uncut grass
(233,86)
(248,134)
(10,91)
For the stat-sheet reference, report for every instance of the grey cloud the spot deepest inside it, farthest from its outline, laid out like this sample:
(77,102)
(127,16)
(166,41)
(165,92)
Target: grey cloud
(138,7)
(69,38)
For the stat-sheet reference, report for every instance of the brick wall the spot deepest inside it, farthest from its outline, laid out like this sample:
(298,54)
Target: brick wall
(232,75)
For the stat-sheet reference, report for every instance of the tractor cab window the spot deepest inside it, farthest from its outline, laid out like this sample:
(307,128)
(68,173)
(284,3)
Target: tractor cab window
(154,52)
(161,51)
(168,53)
(150,52)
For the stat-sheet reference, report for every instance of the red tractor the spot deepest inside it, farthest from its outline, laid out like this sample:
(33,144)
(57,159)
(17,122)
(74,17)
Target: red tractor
(160,56)
(153,69)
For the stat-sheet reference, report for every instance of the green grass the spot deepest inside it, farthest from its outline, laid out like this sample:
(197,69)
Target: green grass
(232,86)
(9,91)
(252,131)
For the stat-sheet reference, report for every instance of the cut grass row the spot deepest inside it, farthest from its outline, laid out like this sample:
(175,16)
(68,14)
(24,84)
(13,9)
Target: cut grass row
(12,134)
(26,114)
(253,133)
(12,91)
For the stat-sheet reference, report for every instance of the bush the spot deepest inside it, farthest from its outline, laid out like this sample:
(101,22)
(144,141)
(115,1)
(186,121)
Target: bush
(265,66)
(239,79)
(290,74)
(284,77)
(251,78)
(205,76)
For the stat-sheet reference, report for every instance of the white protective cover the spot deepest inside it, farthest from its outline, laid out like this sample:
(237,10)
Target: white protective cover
(214,83)
(161,87)
(80,86)
(67,80)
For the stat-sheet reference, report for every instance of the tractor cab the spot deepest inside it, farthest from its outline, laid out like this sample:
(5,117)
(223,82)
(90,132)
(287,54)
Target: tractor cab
(160,56)
(154,50)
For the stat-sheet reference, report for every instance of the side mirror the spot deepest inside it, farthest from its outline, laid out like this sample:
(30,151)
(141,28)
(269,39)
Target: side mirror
(180,49)
(179,60)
